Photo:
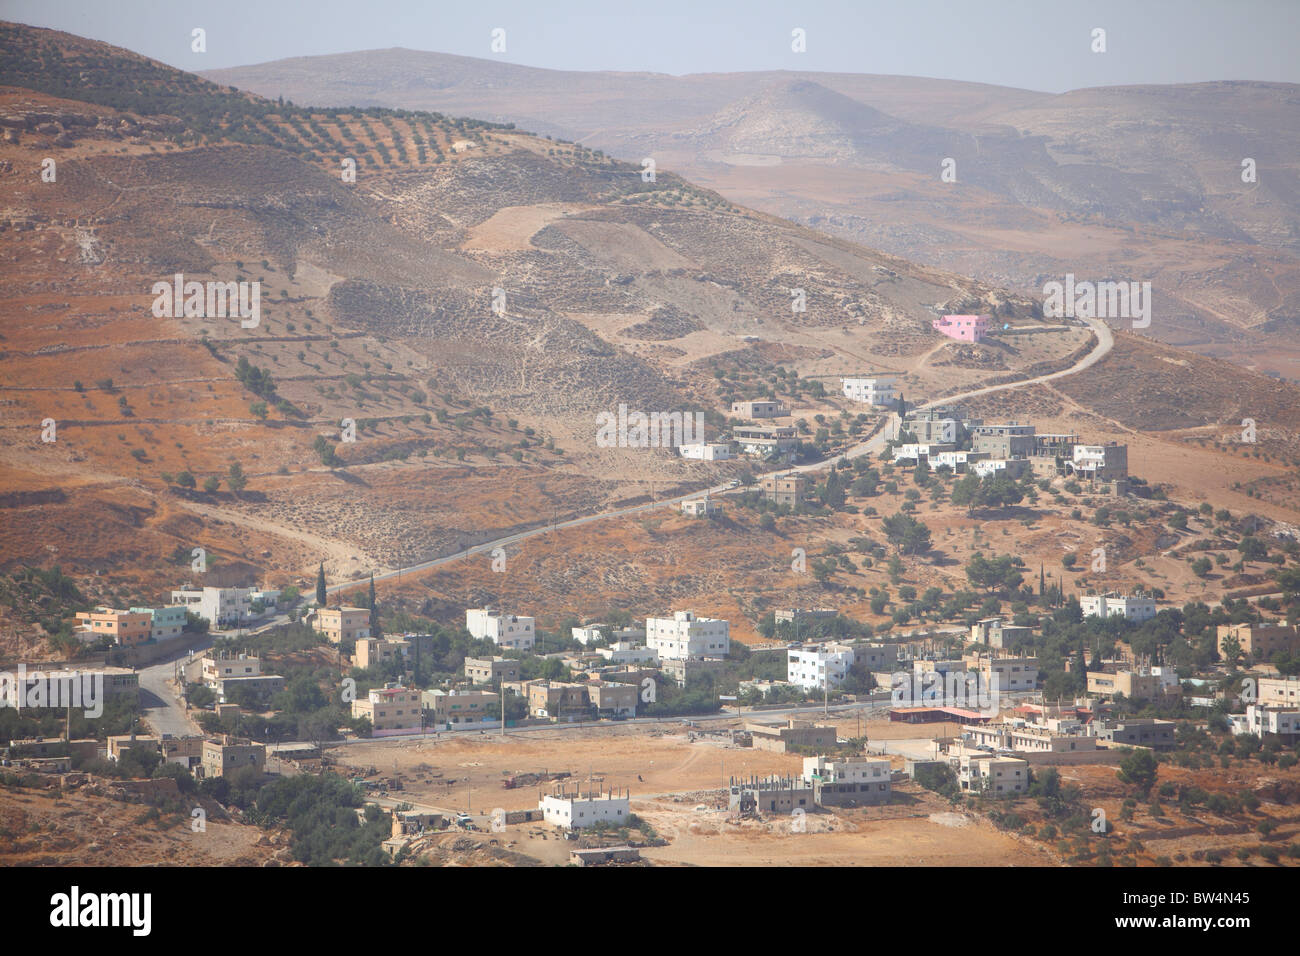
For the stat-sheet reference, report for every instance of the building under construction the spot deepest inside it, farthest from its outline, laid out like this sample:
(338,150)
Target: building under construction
(769,795)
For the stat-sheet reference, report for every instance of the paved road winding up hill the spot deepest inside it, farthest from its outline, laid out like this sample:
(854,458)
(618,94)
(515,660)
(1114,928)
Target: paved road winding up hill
(1105,342)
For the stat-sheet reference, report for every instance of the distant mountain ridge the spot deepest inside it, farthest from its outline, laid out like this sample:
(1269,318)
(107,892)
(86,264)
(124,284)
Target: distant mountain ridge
(1099,181)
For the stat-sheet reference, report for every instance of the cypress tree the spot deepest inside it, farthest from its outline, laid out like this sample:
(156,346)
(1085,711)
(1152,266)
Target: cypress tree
(320,585)
(374,608)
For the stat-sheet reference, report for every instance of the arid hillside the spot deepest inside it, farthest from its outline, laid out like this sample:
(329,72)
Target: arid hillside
(1146,183)
(464,306)
(438,333)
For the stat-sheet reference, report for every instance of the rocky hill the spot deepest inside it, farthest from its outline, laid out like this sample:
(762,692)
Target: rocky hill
(1141,182)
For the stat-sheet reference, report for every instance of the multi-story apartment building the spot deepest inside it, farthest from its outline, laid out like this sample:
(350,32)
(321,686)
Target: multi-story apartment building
(936,426)
(1012,674)
(1029,738)
(1151,684)
(1261,719)
(1135,607)
(818,666)
(1003,440)
(613,699)
(765,439)
(1261,641)
(1279,691)
(558,700)
(371,651)
(228,754)
(848,782)
(220,607)
(995,633)
(1100,462)
(504,630)
(999,776)
(1138,732)
(218,667)
(963,328)
(685,636)
(461,708)
(489,670)
(167,622)
(343,624)
(123,627)
(784,489)
(876,390)
(392,709)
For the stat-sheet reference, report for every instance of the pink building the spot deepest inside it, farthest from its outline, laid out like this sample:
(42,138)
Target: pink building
(964,328)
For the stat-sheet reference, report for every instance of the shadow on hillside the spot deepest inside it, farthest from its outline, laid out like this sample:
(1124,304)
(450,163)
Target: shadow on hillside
(349,478)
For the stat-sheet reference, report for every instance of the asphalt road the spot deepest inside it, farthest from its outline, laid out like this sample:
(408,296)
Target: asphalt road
(873,445)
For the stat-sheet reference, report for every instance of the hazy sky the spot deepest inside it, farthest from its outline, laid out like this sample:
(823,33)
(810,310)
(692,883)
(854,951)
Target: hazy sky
(1037,44)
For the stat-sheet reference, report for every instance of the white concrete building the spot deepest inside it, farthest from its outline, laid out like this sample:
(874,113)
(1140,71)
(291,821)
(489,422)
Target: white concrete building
(503,630)
(818,666)
(700,507)
(574,811)
(625,652)
(993,775)
(915,451)
(1010,467)
(851,770)
(1261,719)
(1136,608)
(706,451)
(590,633)
(220,607)
(684,636)
(956,460)
(873,391)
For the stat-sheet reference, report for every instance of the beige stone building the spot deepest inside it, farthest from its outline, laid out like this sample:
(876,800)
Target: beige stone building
(1134,685)
(340,624)
(460,708)
(1261,641)
(1279,691)
(488,670)
(795,733)
(391,709)
(784,489)
(377,650)
(228,754)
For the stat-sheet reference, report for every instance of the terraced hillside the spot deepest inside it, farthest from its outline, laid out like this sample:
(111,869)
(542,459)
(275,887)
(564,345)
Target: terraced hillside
(463,312)
(1127,181)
